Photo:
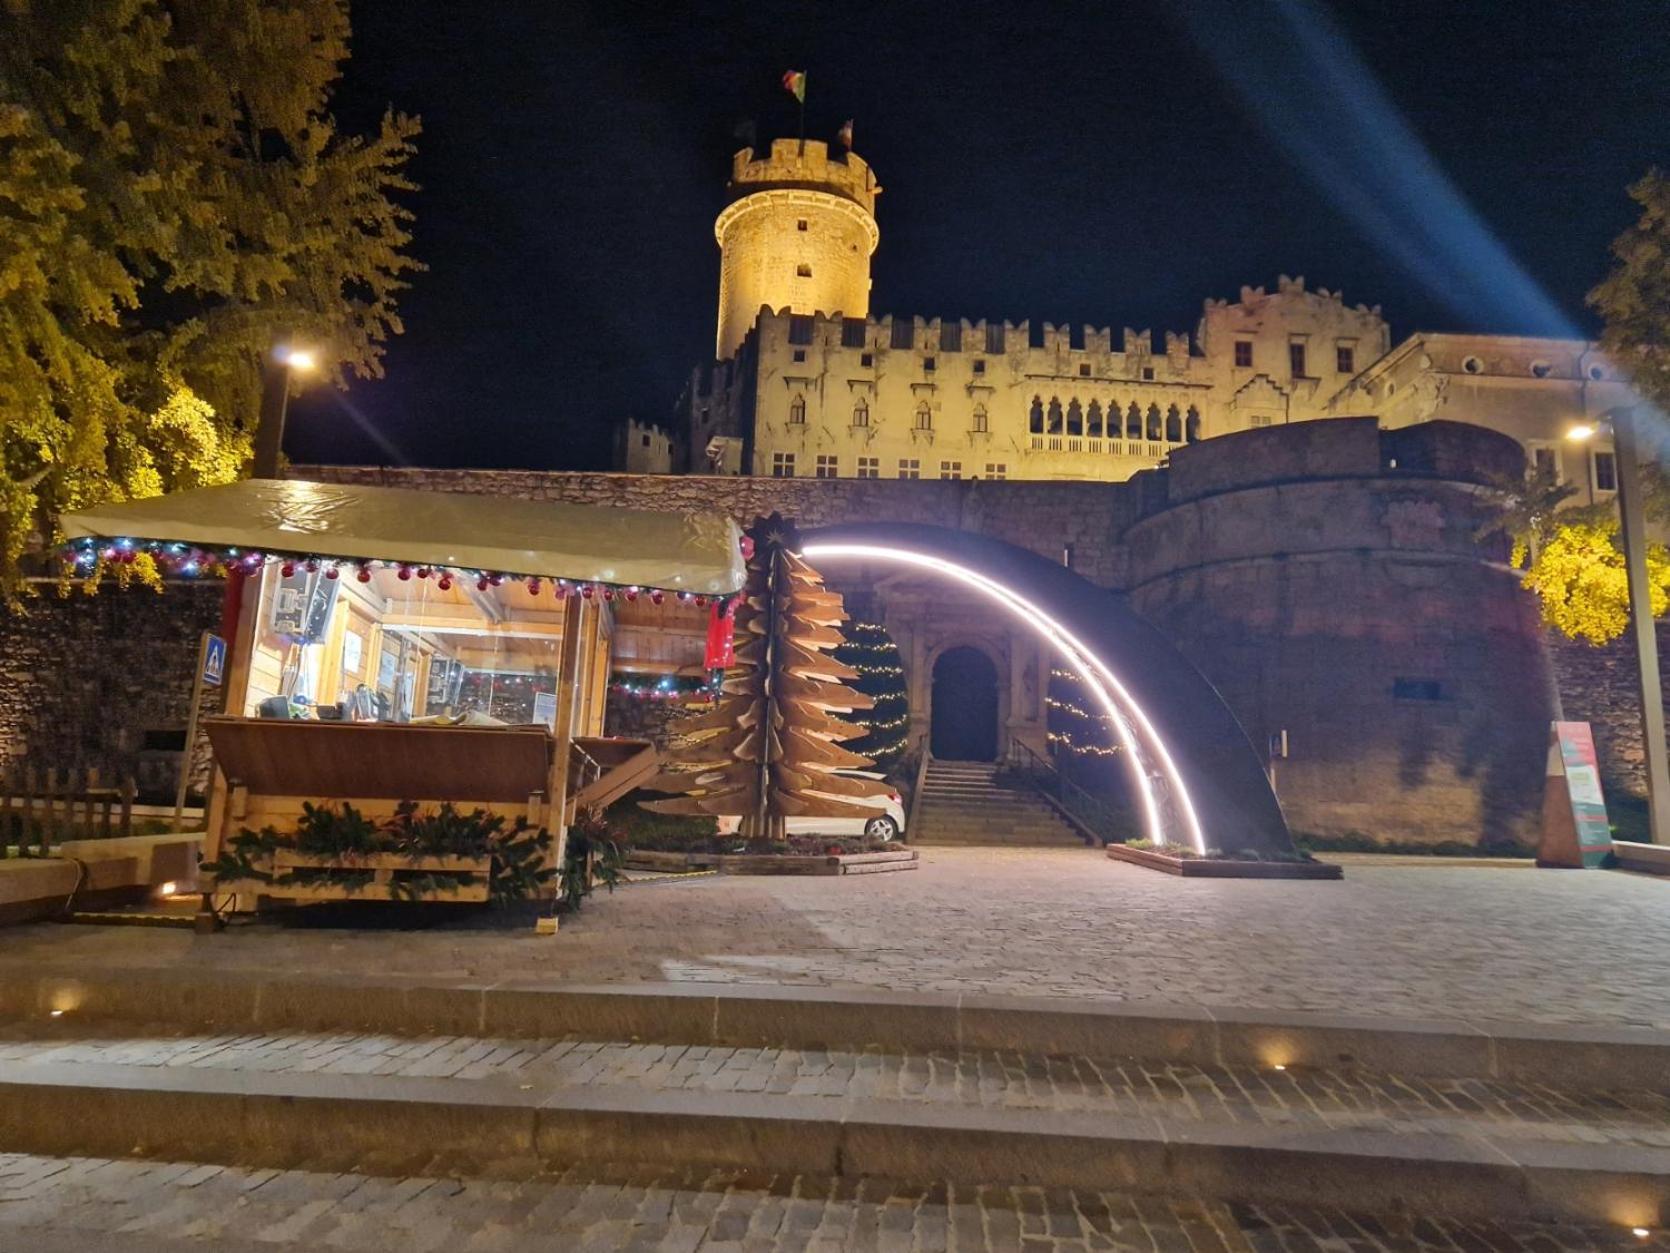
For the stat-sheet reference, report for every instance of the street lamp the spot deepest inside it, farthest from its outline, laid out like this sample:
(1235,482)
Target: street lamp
(276,369)
(1634,531)
(1582,433)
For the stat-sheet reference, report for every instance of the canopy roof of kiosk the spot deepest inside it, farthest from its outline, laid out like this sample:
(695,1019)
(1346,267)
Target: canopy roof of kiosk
(689,552)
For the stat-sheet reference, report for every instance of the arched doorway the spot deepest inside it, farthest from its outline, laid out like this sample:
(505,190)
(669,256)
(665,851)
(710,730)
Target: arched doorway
(1189,760)
(964,726)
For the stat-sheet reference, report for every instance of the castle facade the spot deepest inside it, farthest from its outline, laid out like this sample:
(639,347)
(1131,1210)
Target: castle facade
(806,384)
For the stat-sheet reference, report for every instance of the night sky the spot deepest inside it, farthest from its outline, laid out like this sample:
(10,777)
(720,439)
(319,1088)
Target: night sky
(1460,163)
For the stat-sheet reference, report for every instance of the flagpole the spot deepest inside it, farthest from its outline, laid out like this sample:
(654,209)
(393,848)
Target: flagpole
(801,99)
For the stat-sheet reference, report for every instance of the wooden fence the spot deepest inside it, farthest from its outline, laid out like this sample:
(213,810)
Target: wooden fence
(38,807)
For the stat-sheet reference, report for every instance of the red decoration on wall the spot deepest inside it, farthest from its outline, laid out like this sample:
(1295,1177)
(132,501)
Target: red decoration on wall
(721,627)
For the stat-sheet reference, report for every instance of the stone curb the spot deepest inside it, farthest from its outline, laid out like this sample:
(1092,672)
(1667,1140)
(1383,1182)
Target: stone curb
(404,1125)
(1571,1058)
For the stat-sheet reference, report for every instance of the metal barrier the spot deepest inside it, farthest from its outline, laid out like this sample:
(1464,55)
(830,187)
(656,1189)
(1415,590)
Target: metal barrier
(1092,815)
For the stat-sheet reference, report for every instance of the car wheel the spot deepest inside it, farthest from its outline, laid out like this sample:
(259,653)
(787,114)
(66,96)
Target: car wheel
(882,828)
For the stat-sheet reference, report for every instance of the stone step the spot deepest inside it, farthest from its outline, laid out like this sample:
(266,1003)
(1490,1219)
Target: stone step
(486,1106)
(260,1002)
(91,1205)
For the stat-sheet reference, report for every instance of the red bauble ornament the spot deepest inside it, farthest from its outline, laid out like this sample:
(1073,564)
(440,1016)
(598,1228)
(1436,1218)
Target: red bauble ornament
(364,575)
(631,593)
(482,584)
(287,569)
(701,602)
(657,596)
(423,572)
(312,566)
(445,584)
(333,573)
(608,593)
(405,573)
(533,587)
(588,591)
(495,579)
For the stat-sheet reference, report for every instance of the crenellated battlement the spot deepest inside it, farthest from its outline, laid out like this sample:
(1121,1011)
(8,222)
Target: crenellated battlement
(809,166)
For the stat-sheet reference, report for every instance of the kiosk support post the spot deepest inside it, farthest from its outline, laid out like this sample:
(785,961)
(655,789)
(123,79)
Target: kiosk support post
(568,699)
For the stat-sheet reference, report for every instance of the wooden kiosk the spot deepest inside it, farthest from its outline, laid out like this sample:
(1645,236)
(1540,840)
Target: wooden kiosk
(392,649)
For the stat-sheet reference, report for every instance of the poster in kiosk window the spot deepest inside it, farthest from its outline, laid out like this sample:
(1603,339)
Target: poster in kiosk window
(1575,830)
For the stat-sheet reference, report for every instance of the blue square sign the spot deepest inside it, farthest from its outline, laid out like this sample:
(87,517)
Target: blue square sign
(214,660)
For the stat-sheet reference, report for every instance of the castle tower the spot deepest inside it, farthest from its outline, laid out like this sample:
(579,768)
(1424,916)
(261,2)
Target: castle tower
(798,233)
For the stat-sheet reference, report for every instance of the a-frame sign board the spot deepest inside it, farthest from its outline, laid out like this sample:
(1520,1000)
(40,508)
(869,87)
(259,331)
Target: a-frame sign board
(1575,832)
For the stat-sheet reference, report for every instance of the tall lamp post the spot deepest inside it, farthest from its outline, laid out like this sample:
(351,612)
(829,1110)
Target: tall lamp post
(276,370)
(1634,529)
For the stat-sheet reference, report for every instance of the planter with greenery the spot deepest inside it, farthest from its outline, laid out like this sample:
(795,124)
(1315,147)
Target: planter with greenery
(338,853)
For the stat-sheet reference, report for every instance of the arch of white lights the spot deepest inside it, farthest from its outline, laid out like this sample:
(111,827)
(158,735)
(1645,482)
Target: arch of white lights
(1110,693)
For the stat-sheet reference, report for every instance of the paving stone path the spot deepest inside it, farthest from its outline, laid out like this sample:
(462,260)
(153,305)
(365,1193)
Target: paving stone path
(92,1205)
(1423,941)
(1299,1098)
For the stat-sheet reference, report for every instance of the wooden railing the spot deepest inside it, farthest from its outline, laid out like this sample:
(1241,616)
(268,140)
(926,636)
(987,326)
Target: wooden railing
(39,807)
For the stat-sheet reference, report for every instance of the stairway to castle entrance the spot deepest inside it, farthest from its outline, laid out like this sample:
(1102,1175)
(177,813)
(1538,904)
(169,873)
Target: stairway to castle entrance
(962,802)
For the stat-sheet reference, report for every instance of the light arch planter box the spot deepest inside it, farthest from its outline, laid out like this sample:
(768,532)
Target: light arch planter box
(1208,868)
(776,863)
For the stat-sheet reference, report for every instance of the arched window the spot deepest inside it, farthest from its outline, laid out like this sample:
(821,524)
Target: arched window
(924,417)
(1035,416)
(1075,417)
(1054,427)
(1174,425)
(797,410)
(1133,422)
(1154,431)
(1093,420)
(980,423)
(861,412)
(1191,425)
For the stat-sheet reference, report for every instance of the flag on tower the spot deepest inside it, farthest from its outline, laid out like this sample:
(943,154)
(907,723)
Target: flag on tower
(794,82)
(845,134)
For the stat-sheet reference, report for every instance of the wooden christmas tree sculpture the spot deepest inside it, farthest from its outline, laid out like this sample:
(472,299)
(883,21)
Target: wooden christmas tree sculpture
(770,749)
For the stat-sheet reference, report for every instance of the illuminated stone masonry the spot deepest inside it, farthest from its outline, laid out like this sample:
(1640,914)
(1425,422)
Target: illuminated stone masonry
(806,383)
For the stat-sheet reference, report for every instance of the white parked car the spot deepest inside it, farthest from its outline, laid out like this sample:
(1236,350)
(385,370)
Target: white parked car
(888,823)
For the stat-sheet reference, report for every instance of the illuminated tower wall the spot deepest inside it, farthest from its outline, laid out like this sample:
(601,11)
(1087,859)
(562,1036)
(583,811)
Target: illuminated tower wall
(797,234)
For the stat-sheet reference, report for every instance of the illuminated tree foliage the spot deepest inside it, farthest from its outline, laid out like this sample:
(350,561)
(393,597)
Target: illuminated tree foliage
(1572,556)
(174,195)
(1579,576)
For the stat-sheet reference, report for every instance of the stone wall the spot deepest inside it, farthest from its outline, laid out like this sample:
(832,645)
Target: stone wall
(1360,614)
(1048,518)
(1601,686)
(655,720)
(86,679)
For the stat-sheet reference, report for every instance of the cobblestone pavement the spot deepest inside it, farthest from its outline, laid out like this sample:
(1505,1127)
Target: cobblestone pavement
(1430,941)
(89,1205)
(1305,1100)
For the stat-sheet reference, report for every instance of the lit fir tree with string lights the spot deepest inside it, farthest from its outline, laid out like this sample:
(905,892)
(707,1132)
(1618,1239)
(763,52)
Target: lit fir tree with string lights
(870,650)
(1081,736)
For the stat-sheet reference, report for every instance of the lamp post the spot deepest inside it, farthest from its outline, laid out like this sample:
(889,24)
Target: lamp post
(276,369)
(1634,530)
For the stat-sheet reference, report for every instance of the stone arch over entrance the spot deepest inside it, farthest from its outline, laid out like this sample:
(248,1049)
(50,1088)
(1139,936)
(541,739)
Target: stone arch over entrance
(1198,778)
(964,705)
